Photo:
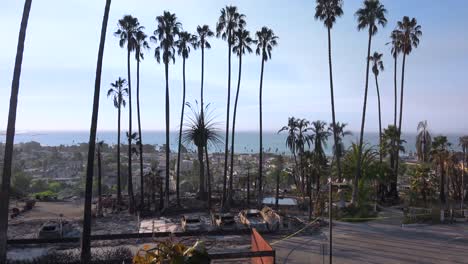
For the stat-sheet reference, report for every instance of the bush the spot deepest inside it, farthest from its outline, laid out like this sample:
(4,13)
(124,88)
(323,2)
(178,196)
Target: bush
(100,256)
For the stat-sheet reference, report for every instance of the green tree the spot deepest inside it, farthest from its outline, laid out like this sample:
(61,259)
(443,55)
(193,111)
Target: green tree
(369,16)
(292,130)
(229,21)
(410,33)
(266,40)
(422,182)
(423,142)
(128,27)
(328,11)
(118,93)
(201,132)
(391,144)
(339,147)
(10,134)
(141,44)
(186,40)
(242,42)
(168,29)
(377,66)
(439,156)
(86,233)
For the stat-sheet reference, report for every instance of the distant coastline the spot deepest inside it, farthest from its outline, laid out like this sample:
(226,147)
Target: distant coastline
(246,141)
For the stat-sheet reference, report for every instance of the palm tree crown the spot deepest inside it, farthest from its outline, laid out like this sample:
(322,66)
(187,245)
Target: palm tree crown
(118,91)
(185,41)
(204,32)
(410,33)
(292,134)
(423,141)
(339,148)
(328,10)
(128,27)
(265,40)
(396,42)
(201,131)
(377,63)
(242,42)
(229,21)
(140,44)
(371,15)
(168,29)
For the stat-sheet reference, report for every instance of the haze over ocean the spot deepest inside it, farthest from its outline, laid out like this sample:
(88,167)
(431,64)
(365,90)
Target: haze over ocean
(246,141)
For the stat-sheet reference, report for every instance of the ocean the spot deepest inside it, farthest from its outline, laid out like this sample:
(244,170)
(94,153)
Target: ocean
(246,142)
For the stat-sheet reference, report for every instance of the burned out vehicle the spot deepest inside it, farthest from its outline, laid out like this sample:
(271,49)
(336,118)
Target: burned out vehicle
(253,218)
(272,219)
(51,229)
(223,221)
(191,223)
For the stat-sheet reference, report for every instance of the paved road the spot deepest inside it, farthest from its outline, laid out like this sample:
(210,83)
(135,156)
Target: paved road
(380,242)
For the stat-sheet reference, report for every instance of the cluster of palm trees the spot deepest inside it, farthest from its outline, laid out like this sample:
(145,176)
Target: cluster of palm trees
(171,39)
(435,153)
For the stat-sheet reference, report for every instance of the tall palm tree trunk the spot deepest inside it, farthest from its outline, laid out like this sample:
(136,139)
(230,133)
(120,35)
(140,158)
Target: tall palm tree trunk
(277,190)
(119,184)
(226,147)
(396,90)
(201,184)
(260,160)
(180,133)
(86,234)
(10,134)
(380,119)
(131,202)
(332,97)
(393,185)
(231,174)
(166,191)
(99,213)
(142,187)
(361,137)
(209,176)
(202,79)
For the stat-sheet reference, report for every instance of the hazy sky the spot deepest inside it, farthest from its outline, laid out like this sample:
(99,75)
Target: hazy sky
(57,79)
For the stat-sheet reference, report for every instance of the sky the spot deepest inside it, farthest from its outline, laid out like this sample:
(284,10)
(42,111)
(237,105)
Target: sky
(58,71)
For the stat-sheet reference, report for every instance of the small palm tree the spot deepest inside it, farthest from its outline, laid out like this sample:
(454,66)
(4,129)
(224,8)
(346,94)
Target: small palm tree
(319,138)
(118,91)
(339,147)
(229,21)
(186,40)
(410,34)
(328,11)
(266,40)
(201,132)
(302,139)
(423,142)
(377,66)
(10,134)
(463,141)
(86,234)
(369,16)
(291,128)
(439,154)
(168,29)
(127,34)
(140,45)
(242,44)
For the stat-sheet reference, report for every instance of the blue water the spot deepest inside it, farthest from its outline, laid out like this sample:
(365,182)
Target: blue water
(246,142)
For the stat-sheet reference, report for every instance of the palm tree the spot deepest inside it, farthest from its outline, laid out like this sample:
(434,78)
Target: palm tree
(201,131)
(265,40)
(127,34)
(377,66)
(183,49)
(242,42)
(338,147)
(423,142)
(168,29)
(302,139)
(410,33)
(86,234)
(440,154)
(140,45)
(369,16)
(228,22)
(99,159)
(463,141)
(319,137)
(291,128)
(391,144)
(204,32)
(395,36)
(10,134)
(118,93)
(327,11)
